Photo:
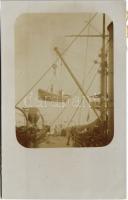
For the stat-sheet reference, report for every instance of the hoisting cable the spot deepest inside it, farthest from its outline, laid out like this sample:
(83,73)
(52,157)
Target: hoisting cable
(81,99)
(91,82)
(62,111)
(80,102)
(85,64)
(77,107)
(83,29)
(74,113)
(33,85)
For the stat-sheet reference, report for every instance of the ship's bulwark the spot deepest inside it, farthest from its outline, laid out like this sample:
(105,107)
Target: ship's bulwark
(94,134)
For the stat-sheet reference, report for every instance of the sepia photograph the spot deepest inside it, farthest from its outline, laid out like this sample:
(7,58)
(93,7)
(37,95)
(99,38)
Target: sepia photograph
(64,99)
(64,80)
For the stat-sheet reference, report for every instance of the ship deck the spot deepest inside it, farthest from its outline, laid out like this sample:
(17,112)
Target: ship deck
(55,141)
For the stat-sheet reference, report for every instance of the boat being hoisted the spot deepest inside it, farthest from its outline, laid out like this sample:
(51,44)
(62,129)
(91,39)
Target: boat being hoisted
(100,131)
(50,96)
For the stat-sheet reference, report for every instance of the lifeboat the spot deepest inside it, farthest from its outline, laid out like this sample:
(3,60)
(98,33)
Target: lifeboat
(49,96)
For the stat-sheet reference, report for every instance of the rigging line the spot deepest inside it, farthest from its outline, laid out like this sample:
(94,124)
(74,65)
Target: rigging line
(76,108)
(76,38)
(76,81)
(50,83)
(74,113)
(107,42)
(92,26)
(33,85)
(86,53)
(91,68)
(91,82)
(81,100)
(86,91)
(84,67)
(56,59)
(74,41)
(83,29)
(62,111)
(56,81)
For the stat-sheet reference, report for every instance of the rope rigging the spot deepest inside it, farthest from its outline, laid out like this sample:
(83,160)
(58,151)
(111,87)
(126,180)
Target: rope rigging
(85,65)
(86,91)
(81,99)
(33,85)
(65,50)
(52,67)
(78,105)
(77,109)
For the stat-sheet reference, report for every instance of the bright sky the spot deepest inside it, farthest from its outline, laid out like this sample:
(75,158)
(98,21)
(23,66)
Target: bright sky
(36,35)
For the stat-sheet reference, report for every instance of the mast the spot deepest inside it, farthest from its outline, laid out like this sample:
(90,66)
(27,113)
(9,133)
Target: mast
(110,84)
(103,65)
(103,75)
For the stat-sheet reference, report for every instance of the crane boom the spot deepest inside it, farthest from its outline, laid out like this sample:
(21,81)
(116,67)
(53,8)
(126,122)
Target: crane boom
(76,81)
